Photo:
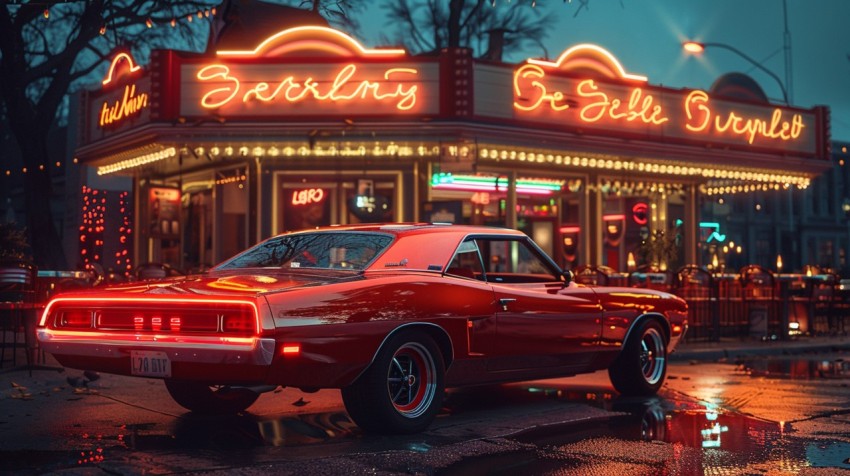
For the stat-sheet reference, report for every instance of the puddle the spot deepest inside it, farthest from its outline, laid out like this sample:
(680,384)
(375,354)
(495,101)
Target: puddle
(697,439)
(802,369)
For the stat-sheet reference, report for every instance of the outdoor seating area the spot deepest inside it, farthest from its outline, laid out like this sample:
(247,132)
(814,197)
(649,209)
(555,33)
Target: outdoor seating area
(25,290)
(755,302)
(18,303)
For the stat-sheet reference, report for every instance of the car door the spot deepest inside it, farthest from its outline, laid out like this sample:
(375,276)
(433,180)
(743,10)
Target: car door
(540,322)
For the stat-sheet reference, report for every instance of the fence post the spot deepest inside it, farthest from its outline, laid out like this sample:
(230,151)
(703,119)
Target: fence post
(785,298)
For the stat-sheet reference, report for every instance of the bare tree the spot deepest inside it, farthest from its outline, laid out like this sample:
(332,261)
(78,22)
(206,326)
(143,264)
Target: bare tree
(341,14)
(49,48)
(485,26)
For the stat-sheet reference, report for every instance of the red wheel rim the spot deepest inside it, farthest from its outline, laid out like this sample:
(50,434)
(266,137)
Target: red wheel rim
(411,380)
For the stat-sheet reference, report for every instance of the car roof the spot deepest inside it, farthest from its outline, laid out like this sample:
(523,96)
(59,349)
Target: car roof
(414,228)
(420,246)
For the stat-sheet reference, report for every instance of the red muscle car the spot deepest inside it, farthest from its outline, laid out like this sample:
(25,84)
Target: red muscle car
(390,314)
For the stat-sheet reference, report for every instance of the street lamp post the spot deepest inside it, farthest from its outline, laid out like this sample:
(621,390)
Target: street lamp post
(698,47)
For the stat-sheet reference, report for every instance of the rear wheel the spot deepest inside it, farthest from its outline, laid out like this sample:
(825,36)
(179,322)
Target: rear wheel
(402,390)
(642,365)
(202,398)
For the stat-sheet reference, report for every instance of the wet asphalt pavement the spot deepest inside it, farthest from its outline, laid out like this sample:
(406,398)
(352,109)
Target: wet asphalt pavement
(776,413)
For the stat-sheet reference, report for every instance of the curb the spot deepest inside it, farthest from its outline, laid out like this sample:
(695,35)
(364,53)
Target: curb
(720,350)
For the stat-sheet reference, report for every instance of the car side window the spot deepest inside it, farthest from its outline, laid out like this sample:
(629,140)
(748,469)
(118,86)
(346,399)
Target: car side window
(514,261)
(466,262)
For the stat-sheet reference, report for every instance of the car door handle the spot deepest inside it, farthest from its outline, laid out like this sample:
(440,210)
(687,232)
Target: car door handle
(505,301)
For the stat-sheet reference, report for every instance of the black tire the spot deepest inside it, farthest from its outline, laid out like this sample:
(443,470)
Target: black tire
(402,391)
(642,365)
(202,398)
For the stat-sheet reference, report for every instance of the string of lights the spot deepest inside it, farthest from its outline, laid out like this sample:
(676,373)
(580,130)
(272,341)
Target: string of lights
(149,22)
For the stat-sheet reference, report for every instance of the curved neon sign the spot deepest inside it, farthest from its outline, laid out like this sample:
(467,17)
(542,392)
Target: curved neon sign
(344,86)
(590,56)
(120,59)
(312,39)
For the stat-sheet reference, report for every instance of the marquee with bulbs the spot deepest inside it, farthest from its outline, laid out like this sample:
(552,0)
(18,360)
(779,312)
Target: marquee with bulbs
(319,98)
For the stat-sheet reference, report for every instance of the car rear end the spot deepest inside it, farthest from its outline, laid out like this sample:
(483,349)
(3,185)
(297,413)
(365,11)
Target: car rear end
(161,336)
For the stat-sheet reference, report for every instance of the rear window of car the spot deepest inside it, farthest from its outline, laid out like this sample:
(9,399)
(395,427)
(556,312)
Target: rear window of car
(334,250)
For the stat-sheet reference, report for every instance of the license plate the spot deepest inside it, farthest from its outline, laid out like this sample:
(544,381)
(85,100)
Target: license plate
(148,363)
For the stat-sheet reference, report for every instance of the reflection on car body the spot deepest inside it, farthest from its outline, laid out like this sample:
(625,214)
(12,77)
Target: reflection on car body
(390,314)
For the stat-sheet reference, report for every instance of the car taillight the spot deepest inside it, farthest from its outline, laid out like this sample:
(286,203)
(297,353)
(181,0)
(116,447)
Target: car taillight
(75,319)
(239,322)
(187,318)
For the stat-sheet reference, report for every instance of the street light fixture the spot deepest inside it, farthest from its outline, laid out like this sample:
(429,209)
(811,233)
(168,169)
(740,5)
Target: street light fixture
(697,47)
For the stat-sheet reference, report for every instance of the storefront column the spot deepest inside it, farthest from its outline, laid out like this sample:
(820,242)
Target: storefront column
(418,200)
(254,201)
(691,226)
(257,209)
(592,221)
(511,202)
(140,241)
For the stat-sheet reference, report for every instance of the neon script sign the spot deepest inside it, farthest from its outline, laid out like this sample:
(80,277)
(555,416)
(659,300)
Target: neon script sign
(397,87)
(578,102)
(130,103)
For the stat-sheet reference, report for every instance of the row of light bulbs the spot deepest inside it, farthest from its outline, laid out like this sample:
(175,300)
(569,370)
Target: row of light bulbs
(767,181)
(391,149)
(631,166)
(733,189)
(137,161)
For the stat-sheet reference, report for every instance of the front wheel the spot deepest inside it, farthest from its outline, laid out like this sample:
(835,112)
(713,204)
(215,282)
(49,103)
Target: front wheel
(202,398)
(642,365)
(402,390)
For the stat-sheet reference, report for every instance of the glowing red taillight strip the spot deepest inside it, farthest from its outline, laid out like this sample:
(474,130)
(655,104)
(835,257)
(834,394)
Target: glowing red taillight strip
(148,301)
(158,339)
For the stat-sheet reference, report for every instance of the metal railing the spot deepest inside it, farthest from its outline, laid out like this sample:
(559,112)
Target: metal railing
(752,303)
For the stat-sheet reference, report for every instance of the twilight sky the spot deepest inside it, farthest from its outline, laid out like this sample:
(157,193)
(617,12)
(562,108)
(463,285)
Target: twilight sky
(646,36)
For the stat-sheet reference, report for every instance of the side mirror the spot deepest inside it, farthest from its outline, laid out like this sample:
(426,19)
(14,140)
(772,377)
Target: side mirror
(567,276)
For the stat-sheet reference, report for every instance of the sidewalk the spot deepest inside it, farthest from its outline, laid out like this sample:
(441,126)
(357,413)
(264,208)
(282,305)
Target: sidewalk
(733,347)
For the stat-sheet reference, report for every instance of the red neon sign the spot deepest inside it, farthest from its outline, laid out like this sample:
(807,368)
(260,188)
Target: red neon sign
(640,213)
(308,196)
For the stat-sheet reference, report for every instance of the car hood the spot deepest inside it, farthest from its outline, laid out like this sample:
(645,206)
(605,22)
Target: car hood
(231,283)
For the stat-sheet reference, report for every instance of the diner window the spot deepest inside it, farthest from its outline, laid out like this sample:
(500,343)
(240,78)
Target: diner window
(315,199)
(370,201)
(197,234)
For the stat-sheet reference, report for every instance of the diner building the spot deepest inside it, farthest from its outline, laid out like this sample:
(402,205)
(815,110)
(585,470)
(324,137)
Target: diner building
(308,127)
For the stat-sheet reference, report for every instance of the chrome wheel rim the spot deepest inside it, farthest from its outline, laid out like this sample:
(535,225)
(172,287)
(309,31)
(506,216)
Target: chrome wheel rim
(411,380)
(652,356)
